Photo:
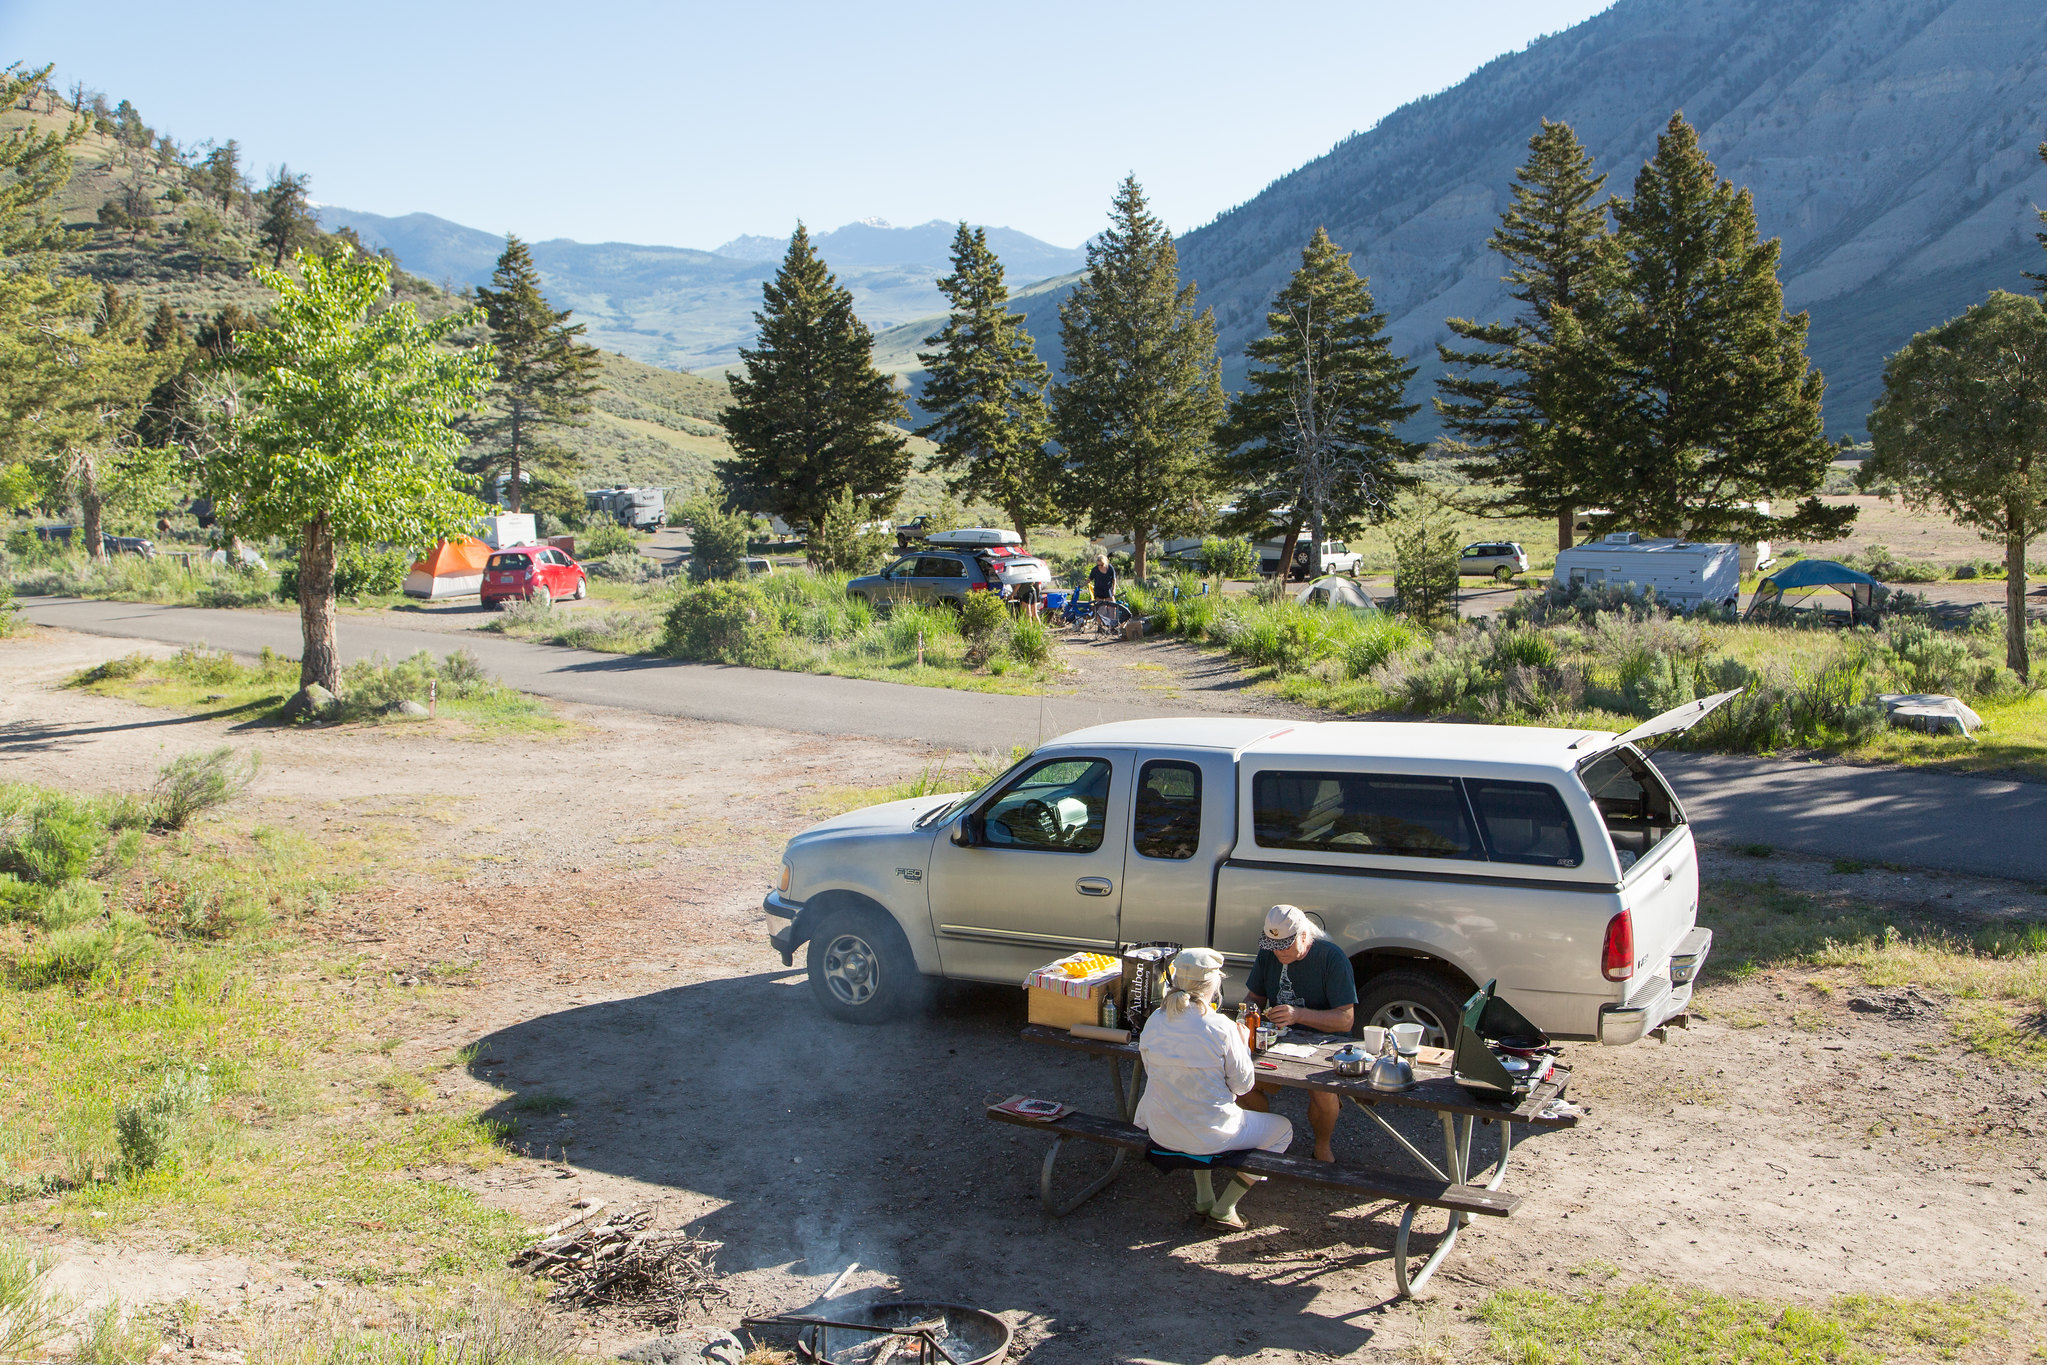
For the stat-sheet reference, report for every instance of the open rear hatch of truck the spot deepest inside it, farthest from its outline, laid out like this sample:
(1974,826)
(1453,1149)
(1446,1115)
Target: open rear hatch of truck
(1659,871)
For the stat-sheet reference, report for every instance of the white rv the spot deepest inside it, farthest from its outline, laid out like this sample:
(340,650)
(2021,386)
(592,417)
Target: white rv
(1684,573)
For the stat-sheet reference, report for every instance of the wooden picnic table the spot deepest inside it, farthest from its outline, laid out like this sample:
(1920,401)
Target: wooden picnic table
(1459,1110)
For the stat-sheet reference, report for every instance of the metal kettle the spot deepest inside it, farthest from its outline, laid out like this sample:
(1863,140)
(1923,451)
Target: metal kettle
(1390,1071)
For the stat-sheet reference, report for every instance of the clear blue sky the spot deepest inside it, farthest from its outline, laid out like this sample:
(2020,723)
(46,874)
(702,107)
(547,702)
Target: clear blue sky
(688,124)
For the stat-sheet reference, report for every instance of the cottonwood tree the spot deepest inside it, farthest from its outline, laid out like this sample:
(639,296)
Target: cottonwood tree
(985,390)
(1962,426)
(1711,404)
(1521,397)
(811,417)
(1138,411)
(546,375)
(1312,433)
(351,440)
(287,223)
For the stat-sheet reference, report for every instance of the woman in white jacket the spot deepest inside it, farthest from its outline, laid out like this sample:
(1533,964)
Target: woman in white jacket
(1196,1063)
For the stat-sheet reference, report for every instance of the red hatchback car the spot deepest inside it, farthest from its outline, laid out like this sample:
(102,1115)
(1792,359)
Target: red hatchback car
(532,573)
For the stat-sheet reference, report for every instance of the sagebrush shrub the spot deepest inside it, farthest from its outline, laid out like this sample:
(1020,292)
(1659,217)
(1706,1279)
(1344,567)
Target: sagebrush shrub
(719,622)
(196,782)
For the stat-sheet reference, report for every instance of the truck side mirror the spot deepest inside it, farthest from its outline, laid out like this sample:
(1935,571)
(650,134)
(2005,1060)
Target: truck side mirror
(967,832)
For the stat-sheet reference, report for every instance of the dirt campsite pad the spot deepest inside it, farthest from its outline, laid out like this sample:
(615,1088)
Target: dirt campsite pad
(565,938)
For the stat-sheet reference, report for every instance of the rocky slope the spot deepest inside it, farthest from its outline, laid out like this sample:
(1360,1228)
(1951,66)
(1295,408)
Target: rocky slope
(1889,143)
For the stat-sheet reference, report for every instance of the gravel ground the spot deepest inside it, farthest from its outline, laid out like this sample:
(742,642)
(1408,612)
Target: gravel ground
(1804,1138)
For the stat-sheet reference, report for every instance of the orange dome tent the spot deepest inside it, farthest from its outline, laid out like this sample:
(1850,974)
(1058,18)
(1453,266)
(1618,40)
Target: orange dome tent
(453,568)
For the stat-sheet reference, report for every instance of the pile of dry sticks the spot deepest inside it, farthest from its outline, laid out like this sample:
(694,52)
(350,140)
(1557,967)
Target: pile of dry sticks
(621,1262)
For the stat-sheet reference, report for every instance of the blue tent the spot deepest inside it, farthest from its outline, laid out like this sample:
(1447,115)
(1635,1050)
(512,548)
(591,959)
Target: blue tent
(1808,576)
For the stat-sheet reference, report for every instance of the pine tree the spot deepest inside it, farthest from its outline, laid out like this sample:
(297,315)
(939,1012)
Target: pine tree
(287,216)
(1143,396)
(1313,431)
(166,331)
(1713,404)
(545,378)
(93,449)
(40,307)
(220,174)
(985,391)
(812,417)
(1516,412)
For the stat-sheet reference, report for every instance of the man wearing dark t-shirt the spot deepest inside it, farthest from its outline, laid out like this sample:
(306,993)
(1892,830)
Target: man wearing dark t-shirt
(1302,980)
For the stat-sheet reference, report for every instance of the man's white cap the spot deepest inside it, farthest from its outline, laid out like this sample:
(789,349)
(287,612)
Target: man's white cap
(1284,924)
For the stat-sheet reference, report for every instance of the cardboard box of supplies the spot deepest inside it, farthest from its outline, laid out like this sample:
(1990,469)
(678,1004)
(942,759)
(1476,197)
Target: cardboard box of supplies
(1069,991)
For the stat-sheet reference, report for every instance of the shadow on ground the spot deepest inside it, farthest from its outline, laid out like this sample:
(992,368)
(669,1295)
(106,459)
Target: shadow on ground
(832,1142)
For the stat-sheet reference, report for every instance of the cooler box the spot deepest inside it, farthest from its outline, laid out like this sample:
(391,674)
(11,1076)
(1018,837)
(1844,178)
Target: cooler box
(1062,998)
(1055,600)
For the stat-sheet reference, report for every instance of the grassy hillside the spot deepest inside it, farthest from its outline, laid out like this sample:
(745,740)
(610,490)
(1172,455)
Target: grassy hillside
(650,425)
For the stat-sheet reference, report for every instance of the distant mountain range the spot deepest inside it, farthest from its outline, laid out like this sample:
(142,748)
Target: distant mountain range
(1890,144)
(692,310)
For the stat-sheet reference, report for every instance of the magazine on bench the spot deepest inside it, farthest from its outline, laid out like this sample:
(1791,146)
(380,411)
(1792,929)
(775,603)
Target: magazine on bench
(1037,1111)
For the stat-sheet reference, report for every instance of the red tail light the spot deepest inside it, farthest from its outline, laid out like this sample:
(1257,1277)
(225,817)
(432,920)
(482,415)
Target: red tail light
(977,587)
(1617,955)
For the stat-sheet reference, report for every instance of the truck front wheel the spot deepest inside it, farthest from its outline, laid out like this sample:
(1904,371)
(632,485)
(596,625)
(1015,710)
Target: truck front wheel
(861,968)
(1406,996)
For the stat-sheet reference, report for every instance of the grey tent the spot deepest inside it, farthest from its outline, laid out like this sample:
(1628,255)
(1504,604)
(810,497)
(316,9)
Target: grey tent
(1331,591)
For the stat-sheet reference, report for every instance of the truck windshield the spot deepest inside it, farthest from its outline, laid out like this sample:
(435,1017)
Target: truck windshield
(951,808)
(1636,806)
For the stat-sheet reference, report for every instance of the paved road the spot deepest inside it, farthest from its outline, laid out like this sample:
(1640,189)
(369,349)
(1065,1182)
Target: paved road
(1982,826)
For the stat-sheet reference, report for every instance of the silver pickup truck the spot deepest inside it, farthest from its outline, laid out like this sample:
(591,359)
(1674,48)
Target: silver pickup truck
(1438,857)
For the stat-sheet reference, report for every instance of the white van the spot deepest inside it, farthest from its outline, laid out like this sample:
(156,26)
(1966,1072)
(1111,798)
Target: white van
(1684,573)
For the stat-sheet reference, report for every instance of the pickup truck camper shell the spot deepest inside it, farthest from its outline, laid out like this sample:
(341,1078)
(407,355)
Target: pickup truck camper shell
(1436,856)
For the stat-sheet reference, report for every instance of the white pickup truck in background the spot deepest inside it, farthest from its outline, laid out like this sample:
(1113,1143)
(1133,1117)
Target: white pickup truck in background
(1438,857)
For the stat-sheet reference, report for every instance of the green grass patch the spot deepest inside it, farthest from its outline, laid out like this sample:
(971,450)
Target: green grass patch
(803,622)
(171,1056)
(197,680)
(1997,973)
(131,578)
(629,629)
(1616,1325)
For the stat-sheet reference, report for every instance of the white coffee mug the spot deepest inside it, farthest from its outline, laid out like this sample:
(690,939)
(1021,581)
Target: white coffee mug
(1372,1039)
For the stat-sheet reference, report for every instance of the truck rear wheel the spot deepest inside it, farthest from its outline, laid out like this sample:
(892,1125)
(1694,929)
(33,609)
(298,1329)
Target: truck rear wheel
(1406,995)
(861,968)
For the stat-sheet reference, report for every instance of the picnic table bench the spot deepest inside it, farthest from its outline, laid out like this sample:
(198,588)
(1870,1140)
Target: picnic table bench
(1453,1186)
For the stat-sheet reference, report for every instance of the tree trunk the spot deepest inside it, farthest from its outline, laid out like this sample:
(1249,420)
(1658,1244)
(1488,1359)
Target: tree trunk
(1137,545)
(90,506)
(1286,548)
(1315,541)
(1567,529)
(512,504)
(2015,601)
(317,660)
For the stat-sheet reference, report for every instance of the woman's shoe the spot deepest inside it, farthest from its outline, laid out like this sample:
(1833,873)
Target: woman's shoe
(1232,1220)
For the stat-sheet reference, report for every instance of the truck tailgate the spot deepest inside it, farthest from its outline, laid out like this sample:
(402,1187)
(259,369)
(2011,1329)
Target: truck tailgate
(1662,892)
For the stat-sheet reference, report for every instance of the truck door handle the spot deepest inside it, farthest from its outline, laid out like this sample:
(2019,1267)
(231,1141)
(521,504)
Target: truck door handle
(1669,872)
(1094,886)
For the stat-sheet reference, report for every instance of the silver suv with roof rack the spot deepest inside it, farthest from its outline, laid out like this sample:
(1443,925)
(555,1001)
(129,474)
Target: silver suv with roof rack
(1438,857)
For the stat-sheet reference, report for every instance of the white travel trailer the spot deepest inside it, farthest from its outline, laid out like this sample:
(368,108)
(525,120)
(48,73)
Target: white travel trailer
(1684,573)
